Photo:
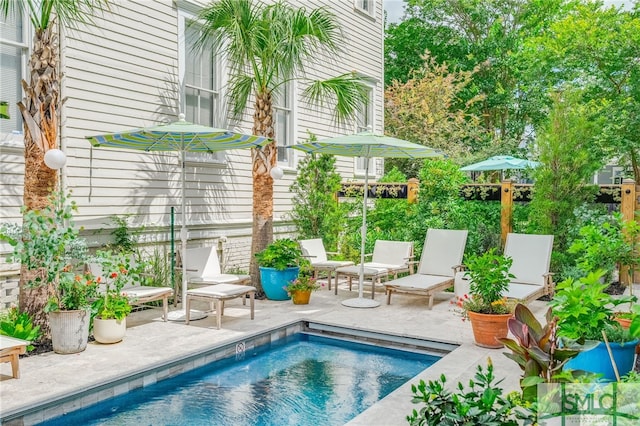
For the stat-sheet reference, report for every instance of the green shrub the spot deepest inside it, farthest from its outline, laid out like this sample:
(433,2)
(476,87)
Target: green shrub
(481,404)
(19,325)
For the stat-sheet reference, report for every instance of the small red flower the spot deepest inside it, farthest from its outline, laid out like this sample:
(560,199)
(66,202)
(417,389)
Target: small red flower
(114,274)
(99,280)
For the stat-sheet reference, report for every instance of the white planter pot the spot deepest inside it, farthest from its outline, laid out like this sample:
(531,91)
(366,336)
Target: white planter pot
(69,331)
(109,330)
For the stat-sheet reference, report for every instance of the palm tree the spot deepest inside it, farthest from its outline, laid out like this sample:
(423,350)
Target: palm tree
(266,47)
(39,110)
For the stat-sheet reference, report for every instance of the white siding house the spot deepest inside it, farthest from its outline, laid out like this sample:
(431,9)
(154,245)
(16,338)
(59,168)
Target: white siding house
(132,68)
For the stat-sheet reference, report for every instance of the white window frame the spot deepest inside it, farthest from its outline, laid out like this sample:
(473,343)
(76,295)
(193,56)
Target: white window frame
(287,109)
(14,141)
(364,122)
(367,7)
(199,158)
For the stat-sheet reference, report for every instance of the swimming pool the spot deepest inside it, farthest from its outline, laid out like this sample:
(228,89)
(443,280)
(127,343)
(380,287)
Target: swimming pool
(300,379)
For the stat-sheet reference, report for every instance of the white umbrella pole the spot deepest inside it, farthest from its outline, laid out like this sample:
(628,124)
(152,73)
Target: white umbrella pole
(363,229)
(361,302)
(184,236)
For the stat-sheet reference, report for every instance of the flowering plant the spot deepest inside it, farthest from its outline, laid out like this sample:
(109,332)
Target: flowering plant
(302,283)
(490,278)
(116,272)
(73,291)
(464,304)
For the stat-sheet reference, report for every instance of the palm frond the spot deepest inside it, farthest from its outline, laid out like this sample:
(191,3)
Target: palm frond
(347,92)
(70,13)
(240,88)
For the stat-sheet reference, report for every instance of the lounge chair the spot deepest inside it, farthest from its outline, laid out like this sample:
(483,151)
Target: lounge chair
(203,268)
(531,256)
(314,251)
(388,258)
(441,259)
(140,294)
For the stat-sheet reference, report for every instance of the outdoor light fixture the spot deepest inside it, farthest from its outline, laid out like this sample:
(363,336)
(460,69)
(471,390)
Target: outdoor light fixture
(55,159)
(276,172)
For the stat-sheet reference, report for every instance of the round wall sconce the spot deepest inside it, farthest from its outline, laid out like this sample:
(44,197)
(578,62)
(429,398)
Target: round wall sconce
(55,159)
(276,172)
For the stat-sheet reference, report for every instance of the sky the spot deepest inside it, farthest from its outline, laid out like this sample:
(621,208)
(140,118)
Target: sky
(395,8)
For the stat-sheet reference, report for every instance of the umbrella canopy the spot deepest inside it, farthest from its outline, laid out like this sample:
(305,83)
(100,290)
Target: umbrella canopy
(500,162)
(367,145)
(180,136)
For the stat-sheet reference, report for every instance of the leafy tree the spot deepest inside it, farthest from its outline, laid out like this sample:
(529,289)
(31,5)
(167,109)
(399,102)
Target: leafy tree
(596,49)
(316,212)
(267,46)
(424,110)
(40,110)
(569,158)
(483,35)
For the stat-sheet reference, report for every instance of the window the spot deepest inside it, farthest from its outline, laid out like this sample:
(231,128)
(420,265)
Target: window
(201,83)
(364,122)
(13,59)
(366,6)
(283,124)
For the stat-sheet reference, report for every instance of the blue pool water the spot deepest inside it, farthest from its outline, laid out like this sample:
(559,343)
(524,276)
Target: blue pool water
(301,380)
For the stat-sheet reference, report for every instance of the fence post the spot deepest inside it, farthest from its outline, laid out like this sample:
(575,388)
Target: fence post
(628,207)
(413,185)
(506,211)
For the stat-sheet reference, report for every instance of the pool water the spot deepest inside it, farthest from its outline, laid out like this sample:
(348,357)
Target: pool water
(301,380)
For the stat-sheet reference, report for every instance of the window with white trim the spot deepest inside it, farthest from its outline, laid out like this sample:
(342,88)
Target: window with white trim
(366,6)
(14,52)
(364,122)
(201,84)
(283,124)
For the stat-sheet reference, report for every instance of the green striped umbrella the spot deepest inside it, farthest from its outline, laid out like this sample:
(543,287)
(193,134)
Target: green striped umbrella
(180,136)
(366,145)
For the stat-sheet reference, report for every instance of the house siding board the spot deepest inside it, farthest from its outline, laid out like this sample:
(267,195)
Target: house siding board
(121,73)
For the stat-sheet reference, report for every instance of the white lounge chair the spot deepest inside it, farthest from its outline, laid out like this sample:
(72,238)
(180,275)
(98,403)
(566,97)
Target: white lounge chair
(203,268)
(388,258)
(314,251)
(139,294)
(441,259)
(531,254)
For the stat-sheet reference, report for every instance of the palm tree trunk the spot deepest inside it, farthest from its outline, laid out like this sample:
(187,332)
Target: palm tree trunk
(39,112)
(263,160)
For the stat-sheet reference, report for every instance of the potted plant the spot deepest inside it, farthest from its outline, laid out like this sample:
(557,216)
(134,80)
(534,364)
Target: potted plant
(586,313)
(485,307)
(50,251)
(300,289)
(109,312)
(279,263)
(538,350)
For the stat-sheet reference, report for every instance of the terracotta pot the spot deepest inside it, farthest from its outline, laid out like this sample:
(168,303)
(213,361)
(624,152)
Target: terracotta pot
(301,297)
(624,322)
(489,327)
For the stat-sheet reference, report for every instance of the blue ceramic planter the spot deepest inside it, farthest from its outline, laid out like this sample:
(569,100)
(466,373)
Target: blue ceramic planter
(597,359)
(274,281)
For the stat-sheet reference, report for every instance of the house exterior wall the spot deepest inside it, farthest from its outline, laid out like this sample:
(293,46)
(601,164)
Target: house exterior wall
(122,72)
